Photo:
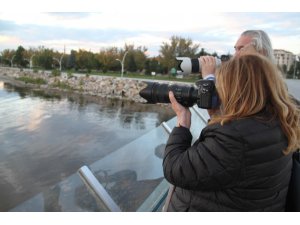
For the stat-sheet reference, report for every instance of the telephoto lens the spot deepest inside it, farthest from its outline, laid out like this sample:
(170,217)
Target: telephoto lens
(204,95)
(187,65)
(159,93)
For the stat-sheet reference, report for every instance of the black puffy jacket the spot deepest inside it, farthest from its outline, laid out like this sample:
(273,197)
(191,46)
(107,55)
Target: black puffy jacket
(239,166)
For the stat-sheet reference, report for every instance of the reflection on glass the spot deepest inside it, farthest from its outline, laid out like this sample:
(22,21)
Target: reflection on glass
(131,173)
(51,199)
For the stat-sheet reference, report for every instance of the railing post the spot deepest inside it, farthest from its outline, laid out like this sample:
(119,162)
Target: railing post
(92,183)
(166,127)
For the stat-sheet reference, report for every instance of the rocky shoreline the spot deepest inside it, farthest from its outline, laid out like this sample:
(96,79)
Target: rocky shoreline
(105,87)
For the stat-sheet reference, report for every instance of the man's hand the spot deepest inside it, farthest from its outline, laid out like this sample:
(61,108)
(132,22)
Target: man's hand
(208,65)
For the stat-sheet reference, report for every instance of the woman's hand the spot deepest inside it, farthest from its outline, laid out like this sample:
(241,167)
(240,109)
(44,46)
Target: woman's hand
(208,65)
(183,113)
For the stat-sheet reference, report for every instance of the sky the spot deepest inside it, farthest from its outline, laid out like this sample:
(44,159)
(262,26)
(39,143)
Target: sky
(94,25)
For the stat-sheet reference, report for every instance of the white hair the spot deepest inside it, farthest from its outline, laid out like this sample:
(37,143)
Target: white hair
(261,42)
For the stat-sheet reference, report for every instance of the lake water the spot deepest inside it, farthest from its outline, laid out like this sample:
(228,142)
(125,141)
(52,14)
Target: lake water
(46,138)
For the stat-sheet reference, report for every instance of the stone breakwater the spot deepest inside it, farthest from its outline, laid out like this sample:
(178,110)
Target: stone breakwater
(108,87)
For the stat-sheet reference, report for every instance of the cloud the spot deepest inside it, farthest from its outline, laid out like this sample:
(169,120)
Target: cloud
(213,31)
(69,15)
(9,42)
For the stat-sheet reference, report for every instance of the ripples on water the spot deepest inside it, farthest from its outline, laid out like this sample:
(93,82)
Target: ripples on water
(46,137)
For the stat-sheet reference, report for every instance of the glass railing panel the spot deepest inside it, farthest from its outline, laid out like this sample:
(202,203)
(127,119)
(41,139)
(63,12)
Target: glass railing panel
(70,195)
(198,122)
(131,173)
(156,200)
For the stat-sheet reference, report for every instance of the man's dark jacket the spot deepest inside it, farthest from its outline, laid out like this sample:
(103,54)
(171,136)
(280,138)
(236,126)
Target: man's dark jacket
(239,166)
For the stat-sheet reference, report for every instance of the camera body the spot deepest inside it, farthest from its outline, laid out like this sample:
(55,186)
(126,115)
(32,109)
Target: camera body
(204,94)
(207,94)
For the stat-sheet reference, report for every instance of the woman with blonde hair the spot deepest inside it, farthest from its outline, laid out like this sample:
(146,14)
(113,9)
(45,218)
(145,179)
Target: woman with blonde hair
(242,160)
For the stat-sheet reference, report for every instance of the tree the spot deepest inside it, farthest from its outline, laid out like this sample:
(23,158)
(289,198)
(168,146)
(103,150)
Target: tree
(284,68)
(19,57)
(7,55)
(136,58)
(178,47)
(152,65)
(202,53)
(294,71)
(45,58)
(30,54)
(85,60)
(131,63)
(107,59)
(71,60)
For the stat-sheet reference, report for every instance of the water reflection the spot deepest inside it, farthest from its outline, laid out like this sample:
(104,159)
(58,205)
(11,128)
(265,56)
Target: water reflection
(46,136)
(127,191)
(159,150)
(51,199)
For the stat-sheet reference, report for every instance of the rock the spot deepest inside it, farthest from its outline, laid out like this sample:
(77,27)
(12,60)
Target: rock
(93,85)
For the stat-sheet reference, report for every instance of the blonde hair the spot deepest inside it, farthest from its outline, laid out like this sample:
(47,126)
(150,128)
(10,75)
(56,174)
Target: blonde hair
(249,84)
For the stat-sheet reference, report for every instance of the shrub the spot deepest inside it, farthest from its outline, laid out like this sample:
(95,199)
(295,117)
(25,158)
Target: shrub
(31,80)
(56,73)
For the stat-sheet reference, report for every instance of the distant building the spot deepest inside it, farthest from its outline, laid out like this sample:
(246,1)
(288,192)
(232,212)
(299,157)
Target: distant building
(283,57)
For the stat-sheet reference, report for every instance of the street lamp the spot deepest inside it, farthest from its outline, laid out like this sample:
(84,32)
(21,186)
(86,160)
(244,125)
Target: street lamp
(11,61)
(122,63)
(59,61)
(30,62)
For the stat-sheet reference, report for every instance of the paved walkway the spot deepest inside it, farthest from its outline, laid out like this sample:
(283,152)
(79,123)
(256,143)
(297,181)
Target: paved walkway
(294,87)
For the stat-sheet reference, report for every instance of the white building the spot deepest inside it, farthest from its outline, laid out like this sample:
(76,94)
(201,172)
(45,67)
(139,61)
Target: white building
(283,57)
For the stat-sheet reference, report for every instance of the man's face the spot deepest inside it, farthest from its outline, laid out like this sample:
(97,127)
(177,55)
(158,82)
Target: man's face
(243,44)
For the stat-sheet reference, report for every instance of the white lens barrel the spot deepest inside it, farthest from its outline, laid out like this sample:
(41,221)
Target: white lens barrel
(185,65)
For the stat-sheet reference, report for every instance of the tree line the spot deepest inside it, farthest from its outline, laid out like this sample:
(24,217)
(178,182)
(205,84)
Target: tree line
(105,60)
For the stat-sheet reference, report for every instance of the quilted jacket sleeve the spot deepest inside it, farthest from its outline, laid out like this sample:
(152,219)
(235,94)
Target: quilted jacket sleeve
(213,162)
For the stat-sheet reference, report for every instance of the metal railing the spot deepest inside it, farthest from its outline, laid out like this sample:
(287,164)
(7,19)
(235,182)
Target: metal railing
(98,190)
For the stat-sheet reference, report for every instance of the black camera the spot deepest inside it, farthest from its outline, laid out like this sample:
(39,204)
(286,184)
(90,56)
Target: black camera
(204,94)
